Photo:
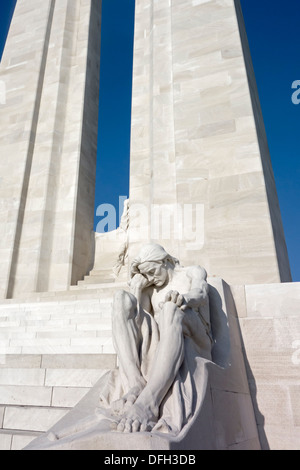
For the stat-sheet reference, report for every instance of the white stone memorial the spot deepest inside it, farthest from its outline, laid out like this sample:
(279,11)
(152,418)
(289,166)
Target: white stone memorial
(180,330)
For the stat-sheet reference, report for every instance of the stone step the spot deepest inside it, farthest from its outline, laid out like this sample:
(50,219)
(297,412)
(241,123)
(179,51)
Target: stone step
(82,306)
(38,377)
(86,344)
(31,418)
(18,395)
(62,347)
(36,391)
(100,291)
(16,439)
(46,387)
(32,332)
(53,349)
(19,425)
(102,272)
(63,393)
(59,361)
(94,280)
(99,286)
(98,276)
(64,327)
(106,274)
(29,324)
(24,321)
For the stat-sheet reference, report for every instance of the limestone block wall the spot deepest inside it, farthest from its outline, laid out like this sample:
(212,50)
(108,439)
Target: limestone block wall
(48,139)
(198,142)
(270,326)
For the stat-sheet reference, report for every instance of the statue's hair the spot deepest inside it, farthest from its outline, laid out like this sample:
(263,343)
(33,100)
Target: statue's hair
(151,253)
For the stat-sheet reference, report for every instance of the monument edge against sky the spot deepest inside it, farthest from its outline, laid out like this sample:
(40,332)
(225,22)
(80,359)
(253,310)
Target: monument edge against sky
(49,131)
(198,139)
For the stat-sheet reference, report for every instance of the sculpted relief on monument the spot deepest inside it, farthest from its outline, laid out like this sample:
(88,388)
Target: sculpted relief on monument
(162,336)
(181,381)
(158,327)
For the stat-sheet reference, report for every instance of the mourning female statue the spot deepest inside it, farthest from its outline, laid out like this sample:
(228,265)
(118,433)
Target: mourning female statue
(167,306)
(162,335)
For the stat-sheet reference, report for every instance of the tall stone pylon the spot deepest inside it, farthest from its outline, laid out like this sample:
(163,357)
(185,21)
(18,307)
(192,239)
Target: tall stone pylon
(48,134)
(199,153)
(199,148)
(199,157)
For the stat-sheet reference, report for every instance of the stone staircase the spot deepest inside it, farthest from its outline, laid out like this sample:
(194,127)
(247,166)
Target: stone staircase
(53,348)
(102,276)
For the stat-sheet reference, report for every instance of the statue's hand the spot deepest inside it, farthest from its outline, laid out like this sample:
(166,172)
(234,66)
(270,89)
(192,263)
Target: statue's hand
(175,297)
(138,283)
(122,405)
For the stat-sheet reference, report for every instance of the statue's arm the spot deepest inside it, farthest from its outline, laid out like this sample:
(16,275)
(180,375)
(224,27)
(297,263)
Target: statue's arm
(198,293)
(139,287)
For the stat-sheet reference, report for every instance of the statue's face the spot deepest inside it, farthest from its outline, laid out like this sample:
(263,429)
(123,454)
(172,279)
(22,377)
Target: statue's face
(155,272)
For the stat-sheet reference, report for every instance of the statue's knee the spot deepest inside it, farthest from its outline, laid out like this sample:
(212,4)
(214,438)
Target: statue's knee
(119,295)
(124,304)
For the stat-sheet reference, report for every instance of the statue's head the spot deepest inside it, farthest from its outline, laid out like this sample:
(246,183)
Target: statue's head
(154,263)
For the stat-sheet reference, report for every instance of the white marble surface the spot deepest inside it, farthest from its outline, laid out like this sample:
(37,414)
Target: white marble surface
(194,140)
(46,241)
(270,327)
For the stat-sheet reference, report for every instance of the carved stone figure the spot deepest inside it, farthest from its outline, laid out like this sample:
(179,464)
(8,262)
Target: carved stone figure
(167,305)
(162,336)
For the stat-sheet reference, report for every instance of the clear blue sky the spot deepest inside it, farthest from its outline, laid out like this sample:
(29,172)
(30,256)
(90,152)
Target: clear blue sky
(273,32)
